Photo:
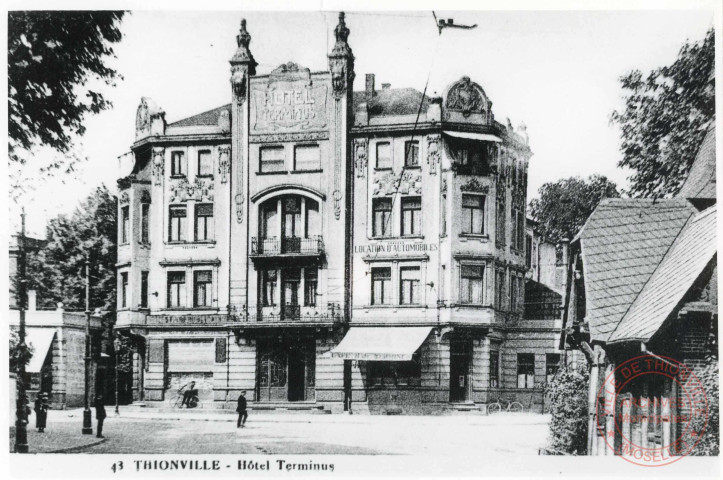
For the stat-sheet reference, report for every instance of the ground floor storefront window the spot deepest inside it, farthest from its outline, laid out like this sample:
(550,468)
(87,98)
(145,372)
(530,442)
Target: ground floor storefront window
(394,374)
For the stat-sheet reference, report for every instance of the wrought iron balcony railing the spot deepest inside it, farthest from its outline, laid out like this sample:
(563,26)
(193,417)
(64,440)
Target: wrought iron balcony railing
(330,314)
(287,246)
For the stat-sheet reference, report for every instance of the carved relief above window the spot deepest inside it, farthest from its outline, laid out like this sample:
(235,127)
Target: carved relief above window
(200,190)
(385,183)
(467,97)
(145,196)
(124,198)
(473,185)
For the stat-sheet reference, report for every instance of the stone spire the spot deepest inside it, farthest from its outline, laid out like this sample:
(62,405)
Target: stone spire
(341,59)
(242,63)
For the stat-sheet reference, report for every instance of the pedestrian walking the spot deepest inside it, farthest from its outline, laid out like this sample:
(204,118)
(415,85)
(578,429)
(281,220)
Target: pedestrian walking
(41,411)
(99,415)
(241,409)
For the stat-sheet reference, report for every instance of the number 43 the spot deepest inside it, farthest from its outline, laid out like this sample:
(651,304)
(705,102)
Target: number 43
(117,466)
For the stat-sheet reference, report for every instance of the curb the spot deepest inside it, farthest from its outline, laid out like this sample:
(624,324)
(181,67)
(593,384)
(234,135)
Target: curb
(77,448)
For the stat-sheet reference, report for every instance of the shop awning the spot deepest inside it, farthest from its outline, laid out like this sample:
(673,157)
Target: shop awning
(485,137)
(40,339)
(381,343)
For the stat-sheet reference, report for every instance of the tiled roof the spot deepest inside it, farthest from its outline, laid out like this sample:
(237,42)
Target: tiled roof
(692,251)
(206,118)
(701,178)
(622,244)
(393,101)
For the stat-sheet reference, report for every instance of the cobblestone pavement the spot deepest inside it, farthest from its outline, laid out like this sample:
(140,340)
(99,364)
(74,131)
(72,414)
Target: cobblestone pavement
(150,432)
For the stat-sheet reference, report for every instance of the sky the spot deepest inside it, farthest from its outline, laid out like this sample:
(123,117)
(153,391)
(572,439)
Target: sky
(556,71)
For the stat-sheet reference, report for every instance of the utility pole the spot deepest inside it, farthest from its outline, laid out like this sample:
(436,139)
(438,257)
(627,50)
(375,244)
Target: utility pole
(87,421)
(21,414)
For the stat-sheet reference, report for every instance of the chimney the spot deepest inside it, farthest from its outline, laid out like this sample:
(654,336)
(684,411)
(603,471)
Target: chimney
(32,300)
(565,244)
(370,86)
(386,86)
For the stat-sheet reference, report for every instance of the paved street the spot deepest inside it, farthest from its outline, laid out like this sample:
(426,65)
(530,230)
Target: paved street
(493,436)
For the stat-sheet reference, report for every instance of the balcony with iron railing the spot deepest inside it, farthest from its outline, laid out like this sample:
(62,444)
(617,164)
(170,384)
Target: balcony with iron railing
(288,315)
(287,246)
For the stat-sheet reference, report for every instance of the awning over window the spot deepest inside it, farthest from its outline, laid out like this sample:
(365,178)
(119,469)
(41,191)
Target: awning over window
(381,343)
(485,137)
(40,339)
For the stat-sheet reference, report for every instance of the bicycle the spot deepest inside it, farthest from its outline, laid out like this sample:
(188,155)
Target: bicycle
(510,407)
(176,401)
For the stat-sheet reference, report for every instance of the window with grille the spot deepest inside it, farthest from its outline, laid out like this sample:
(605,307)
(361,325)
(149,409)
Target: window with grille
(125,224)
(552,365)
(273,159)
(145,232)
(473,214)
(176,289)
(268,287)
(409,286)
(471,288)
(411,154)
(382,211)
(177,223)
(205,163)
(144,289)
(384,156)
(381,285)
(124,290)
(311,281)
(204,222)
(307,157)
(525,370)
(494,368)
(411,216)
(202,288)
(178,164)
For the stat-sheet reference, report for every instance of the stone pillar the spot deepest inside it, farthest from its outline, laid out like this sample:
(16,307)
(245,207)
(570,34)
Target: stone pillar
(644,412)
(626,408)
(610,400)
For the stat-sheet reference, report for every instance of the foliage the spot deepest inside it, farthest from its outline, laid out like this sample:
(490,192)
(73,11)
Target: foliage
(565,205)
(53,60)
(18,355)
(665,119)
(57,271)
(709,443)
(567,393)
(125,354)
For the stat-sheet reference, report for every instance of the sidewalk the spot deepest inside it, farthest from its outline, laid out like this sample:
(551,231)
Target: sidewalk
(127,412)
(59,437)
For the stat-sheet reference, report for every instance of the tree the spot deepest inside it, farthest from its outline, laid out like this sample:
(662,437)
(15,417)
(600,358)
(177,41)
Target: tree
(568,410)
(17,354)
(57,271)
(565,205)
(52,58)
(665,119)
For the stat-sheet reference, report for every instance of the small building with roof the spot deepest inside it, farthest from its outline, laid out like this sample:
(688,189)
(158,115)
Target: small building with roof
(643,288)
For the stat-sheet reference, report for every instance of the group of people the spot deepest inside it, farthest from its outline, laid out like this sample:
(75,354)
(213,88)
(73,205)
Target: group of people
(42,406)
(190,398)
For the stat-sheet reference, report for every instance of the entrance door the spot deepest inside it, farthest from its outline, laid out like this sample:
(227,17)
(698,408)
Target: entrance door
(271,376)
(459,370)
(297,369)
(347,386)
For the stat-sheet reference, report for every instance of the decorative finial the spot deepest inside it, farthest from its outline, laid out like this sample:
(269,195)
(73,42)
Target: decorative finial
(341,32)
(243,54)
(243,38)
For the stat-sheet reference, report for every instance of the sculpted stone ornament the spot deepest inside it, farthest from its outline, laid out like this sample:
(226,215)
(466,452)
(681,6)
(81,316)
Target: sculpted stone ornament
(242,63)
(473,185)
(433,155)
(124,198)
(384,184)
(224,162)
(467,97)
(337,195)
(360,156)
(341,60)
(158,162)
(145,196)
(146,113)
(200,190)
(239,207)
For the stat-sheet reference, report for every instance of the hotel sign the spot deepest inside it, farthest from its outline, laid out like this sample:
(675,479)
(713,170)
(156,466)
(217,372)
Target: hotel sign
(187,320)
(288,102)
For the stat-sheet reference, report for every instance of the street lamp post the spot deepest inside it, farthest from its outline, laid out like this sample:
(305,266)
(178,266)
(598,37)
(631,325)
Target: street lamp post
(117,346)
(21,414)
(87,421)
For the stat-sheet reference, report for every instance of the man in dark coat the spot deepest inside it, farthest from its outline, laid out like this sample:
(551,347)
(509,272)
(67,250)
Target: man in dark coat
(241,409)
(41,412)
(188,394)
(99,415)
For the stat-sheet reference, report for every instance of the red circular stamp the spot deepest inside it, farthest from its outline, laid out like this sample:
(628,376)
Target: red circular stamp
(650,411)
